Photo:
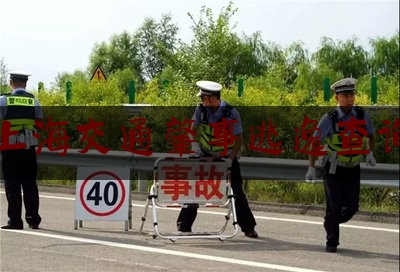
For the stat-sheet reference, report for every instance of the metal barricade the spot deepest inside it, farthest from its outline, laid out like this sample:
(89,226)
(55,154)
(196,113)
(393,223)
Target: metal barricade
(179,182)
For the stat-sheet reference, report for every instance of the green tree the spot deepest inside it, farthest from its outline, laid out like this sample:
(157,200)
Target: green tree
(272,66)
(215,51)
(96,93)
(274,55)
(310,81)
(156,41)
(385,56)
(85,92)
(123,77)
(64,77)
(296,56)
(346,57)
(4,88)
(120,53)
(253,60)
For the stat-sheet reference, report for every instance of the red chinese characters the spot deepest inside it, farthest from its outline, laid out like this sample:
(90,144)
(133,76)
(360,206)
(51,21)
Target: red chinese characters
(178,135)
(274,150)
(6,133)
(352,137)
(208,183)
(85,129)
(195,182)
(223,134)
(312,146)
(176,181)
(391,133)
(138,137)
(57,136)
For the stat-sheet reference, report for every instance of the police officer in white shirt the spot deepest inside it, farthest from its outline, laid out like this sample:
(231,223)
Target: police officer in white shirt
(212,110)
(19,166)
(341,172)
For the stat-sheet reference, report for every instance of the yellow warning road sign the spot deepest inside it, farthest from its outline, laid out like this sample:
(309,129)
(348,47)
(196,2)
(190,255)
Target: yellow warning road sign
(98,75)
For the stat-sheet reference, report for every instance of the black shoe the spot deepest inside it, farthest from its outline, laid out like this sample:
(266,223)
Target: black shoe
(9,226)
(331,249)
(181,228)
(251,234)
(184,230)
(34,226)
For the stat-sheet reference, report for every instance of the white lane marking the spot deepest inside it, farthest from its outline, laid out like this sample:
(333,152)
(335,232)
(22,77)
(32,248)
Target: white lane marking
(169,252)
(102,259)
(263,217)
(313,222)
(257,217)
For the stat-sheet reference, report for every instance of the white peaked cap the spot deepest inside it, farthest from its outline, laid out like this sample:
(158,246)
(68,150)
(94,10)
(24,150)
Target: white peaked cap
(344,85)
(208,87)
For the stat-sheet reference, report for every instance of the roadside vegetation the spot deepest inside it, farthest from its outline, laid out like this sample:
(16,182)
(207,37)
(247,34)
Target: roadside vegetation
(283,84)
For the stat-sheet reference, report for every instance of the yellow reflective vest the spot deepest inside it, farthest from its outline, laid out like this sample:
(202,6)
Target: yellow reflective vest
(20,111)
(335,144)
(208,133)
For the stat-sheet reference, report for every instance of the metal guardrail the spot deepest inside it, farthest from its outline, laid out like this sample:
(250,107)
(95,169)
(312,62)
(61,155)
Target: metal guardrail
(382,175)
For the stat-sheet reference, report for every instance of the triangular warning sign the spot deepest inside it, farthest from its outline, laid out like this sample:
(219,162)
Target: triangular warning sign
(98,75)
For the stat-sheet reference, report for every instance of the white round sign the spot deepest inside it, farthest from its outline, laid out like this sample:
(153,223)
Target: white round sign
(102,195)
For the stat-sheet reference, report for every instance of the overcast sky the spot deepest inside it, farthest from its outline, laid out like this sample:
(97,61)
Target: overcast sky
(47,37)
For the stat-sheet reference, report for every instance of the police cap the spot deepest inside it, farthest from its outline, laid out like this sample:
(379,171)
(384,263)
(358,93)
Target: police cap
(18,76)
(347,85)
(208,87)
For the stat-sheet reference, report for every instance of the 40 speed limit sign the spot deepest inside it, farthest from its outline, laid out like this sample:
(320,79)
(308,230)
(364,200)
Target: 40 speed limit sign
(102,194)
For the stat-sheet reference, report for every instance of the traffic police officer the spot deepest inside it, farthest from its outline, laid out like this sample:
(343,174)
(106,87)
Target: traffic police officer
(341,173)
(212,110)
(19,166)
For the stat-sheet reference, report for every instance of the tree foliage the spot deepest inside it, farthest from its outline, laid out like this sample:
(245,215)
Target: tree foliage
(120,53)
(347,57)
(215,51)
(274,76)
(156,40)
(385,56)
(4,88)
(153,55)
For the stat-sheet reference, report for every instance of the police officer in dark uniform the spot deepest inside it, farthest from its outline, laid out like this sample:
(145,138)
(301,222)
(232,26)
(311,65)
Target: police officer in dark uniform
(341,173)
(212,110)
(19,166)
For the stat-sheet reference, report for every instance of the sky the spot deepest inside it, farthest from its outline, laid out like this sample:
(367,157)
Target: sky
(48,37)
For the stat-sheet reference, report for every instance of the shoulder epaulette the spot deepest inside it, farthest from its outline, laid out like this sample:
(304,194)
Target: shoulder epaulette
(203,114)
(360,112)
(227,111)
(333,114)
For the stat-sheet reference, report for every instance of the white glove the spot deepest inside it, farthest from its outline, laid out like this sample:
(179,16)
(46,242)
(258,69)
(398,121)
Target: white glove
(370,160)
(311,175)
(196,151)
(229,161)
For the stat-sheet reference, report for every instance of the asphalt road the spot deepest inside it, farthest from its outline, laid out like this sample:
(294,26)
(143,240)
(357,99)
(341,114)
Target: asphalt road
(287,243)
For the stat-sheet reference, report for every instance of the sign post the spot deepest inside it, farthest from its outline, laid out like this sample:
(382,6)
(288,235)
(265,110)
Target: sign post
(102,195)
(327,90)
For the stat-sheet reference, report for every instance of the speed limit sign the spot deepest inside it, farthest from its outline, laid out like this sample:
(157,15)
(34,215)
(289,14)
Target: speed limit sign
(102,194)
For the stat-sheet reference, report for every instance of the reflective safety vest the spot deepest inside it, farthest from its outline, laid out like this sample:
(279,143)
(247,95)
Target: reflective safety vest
(208,134)
(335,144)
(20,111)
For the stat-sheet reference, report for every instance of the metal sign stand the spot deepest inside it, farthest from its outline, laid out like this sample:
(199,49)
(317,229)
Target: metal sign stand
(164,194)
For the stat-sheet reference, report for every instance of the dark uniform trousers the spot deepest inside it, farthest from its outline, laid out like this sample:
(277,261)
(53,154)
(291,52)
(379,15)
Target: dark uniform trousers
(20,169)
(342,192)
(245,217)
